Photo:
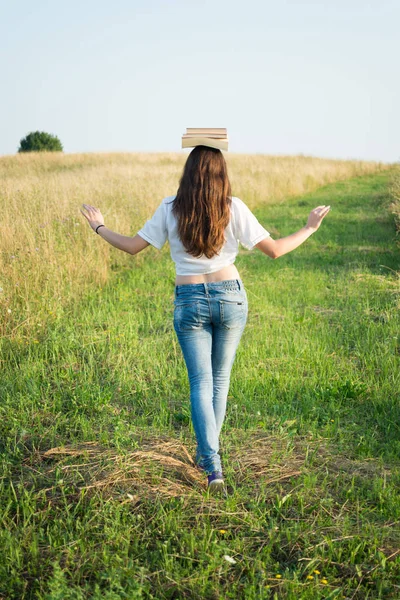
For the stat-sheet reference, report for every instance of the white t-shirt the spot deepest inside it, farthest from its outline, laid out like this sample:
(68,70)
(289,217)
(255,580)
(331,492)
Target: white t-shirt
(243,227)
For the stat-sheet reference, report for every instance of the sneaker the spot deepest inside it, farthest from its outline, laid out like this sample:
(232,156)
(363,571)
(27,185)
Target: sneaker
(215,482)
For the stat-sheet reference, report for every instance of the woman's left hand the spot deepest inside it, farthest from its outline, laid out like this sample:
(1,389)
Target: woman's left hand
(94,216)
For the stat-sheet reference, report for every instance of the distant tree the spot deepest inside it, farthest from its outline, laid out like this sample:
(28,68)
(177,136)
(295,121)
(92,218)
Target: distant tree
(40,141)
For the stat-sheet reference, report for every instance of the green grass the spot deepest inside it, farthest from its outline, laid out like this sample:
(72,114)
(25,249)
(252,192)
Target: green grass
(310,445)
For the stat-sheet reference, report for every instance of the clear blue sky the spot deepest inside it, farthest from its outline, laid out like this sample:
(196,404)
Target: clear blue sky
(319,77)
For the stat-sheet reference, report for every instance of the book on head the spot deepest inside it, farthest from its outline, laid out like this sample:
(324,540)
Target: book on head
(216,137)
(220,130)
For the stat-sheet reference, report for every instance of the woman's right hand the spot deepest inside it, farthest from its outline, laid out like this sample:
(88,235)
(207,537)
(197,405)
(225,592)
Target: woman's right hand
(315,217)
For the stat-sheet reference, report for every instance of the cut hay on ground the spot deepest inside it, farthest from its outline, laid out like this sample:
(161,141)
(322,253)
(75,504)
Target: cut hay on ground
(161,467)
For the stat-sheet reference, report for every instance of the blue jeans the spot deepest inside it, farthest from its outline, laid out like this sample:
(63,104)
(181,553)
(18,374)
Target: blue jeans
(209,319)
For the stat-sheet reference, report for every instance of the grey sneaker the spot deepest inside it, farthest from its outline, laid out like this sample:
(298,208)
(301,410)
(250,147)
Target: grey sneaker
(216,483)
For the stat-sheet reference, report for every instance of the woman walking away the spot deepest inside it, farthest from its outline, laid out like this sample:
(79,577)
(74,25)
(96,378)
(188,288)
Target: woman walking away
(203,223)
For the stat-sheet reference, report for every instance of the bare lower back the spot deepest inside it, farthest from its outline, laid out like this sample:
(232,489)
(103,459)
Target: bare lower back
(228,272)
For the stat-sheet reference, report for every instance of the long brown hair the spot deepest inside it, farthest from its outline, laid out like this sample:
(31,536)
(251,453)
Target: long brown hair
(202,204)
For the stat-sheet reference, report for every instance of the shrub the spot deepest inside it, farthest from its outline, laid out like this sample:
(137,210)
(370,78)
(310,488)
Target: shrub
(40,141)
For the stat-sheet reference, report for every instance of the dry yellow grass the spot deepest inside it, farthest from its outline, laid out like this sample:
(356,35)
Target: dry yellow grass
(162,466)
(49,253)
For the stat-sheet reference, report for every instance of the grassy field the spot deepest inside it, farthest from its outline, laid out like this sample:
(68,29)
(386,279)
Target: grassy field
(46,253)
(99,495)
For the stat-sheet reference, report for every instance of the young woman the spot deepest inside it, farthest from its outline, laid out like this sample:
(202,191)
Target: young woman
(203,223)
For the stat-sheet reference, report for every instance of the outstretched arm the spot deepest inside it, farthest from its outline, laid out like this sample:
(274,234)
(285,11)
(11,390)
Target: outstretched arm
(131,245)
(277,248)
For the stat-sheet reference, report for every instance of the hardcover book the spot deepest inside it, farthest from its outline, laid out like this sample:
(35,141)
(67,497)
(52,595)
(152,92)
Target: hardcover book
(214,137)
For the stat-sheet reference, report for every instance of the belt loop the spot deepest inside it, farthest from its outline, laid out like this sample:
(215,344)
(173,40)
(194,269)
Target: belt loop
(238,281)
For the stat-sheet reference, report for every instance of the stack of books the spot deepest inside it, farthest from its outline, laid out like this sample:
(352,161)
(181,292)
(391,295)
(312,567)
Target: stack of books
(216,137)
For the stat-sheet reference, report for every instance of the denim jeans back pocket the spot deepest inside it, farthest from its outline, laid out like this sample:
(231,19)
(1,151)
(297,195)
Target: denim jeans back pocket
(186,315)
(233,313)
